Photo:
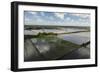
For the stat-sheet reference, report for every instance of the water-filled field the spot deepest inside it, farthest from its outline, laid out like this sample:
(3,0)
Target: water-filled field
(56,47)
(77,38)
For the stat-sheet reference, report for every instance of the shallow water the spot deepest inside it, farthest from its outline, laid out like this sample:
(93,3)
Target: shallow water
(77,38)
(42,49)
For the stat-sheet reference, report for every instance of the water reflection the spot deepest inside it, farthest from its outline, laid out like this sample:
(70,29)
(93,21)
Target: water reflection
(65,46)
(77,38)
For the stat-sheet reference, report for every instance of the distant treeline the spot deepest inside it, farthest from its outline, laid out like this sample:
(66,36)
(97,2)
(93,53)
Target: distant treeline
(29,27)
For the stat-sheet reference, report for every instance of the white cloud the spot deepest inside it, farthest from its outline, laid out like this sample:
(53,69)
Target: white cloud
(42,13)
(60,15)
(39,20)
(68,18)
(51,18)
(82,20)
(27,19)
(33,12)
(81,15)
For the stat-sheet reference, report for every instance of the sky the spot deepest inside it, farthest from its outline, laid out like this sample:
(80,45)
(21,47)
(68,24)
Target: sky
(56,18)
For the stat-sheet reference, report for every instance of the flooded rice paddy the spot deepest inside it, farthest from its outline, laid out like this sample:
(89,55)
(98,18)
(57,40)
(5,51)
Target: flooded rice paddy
(56,47)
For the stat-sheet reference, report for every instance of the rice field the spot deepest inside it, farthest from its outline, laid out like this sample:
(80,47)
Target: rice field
(56,47)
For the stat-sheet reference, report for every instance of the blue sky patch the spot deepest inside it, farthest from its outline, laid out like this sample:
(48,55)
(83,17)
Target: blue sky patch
(56,18)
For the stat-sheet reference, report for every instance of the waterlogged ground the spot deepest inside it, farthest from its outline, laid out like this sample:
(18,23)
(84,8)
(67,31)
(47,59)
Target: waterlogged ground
(65,46)
(50,47)
(77,38)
